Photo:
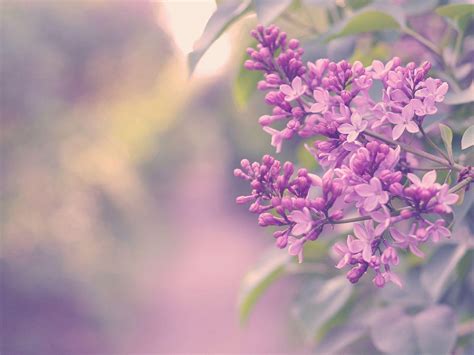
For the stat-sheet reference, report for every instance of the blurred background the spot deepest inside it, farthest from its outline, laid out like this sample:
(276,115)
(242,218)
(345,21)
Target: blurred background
(119,232)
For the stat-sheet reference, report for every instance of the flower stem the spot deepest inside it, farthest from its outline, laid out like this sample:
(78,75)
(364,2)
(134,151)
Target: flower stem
(453,189)
(427,43)
(429,140)
(415,151)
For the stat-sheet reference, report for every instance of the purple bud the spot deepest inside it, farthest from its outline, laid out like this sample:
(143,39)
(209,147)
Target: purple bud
(244,199)
(336,215)
(378,280)
(406,214)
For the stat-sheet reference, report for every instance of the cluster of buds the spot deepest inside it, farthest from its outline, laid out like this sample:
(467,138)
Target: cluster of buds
(363,139)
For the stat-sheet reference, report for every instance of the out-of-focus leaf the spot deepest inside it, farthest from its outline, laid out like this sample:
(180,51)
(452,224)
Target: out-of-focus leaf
(447,136)
(392,332)
(412,293)
(467,139)
(268,10)
(418,7)
(224,16)
(435,330)
(436,274)
(339,338)
(459,98)
(320,300)
(370,20)
(432,331)
(270,268)
(245,84)
(460,13)
(337,49)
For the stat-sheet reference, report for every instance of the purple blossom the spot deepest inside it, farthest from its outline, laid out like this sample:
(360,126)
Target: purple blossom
(373,194)
(403,121)
(365,236)
(294,91)
(333,105)
(353,129)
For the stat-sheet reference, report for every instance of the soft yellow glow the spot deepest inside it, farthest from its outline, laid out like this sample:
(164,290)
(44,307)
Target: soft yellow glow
(185,20)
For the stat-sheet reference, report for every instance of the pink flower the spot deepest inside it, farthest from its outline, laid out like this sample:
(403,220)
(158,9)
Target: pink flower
(390,256)
(295,90)
(437,231)
(277,137)
(303,220)
(403,121)
(383,217)
(432,89)
(365,235)
(428,179)
(322,99)
(390,276)
(445,198)
(427,107)
(372,193)
(379,70)
(354,128)
(409,241)
(295,247)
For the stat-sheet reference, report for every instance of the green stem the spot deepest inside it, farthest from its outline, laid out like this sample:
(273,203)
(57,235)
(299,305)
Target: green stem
(415,151)
(453,189)
(427,43)
(428,139)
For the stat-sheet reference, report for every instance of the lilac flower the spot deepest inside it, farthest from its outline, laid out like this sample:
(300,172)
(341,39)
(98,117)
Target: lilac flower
(373,194)
(277,137)
(353,129)
(445,199)
(294,91)
(322,99)
(427,181)
(383,217)
(365,235)
(362,173)
(403,121)
(437,231)
(303,221)
(433,88)
(407,240)
(295,247)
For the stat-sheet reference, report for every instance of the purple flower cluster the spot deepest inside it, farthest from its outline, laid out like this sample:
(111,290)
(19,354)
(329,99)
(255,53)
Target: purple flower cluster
(358,131)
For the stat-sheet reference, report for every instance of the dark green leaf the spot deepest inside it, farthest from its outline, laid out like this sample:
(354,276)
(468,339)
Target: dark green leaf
(269,10)
(370,20)
(458,14)
(320,300)
(467,139)
(269,269)
(447,136)
(224,16)
(440,269)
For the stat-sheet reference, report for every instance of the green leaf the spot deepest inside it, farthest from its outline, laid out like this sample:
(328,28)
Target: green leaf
(435,330)
(320,300)
(219,21)
(268,10)
(269,269)
(447,136)
(467,139)
(245,84)
(370,20)
(437,273)
(459,14)
(432,331)
(459,98)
